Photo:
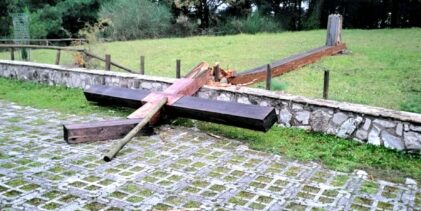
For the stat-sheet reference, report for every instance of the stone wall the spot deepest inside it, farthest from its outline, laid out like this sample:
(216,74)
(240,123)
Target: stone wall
(366,124)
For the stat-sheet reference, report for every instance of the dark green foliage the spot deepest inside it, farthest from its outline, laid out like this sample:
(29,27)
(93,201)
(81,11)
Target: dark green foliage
(50,18)
(45,21)
(135,19)
(252,24)
(163,18)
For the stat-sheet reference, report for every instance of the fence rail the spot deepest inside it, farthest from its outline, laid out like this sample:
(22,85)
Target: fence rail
(12,48)
(47,42)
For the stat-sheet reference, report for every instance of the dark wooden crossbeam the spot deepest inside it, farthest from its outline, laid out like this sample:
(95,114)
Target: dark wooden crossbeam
(229,113)
(105,130)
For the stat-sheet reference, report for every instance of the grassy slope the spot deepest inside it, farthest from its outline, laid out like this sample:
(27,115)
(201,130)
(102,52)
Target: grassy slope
(384,68)
(333,152)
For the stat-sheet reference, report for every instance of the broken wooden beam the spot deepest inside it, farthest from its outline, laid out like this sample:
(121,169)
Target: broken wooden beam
(285,65)
(99,131)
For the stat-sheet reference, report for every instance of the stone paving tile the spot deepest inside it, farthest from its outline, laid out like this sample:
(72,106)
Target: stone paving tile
(177,168)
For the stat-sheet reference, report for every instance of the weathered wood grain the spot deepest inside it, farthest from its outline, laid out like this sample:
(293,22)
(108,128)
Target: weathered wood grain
(282,66)
(99,131)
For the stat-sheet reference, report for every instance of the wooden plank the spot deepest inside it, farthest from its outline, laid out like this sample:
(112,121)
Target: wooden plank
(334,30)
(142,65)
(58,57)
(40,47)
(106,95)
(268,77)
(228,113)
(282,66)
(111,62)
(236,114)
(100,131)
(107,62)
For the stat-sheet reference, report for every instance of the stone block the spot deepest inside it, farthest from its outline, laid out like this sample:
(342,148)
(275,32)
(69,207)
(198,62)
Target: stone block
(146,85)
(399,129)
(224,97)
(302,117)
(339,118)
(285,117)
(297,107)
(384,123)
(415,128)
(367,124)
(243,100)
(264,103)
(348,127)
(374,136)
(392,142)
(412,141)
(319,120)
(361,135)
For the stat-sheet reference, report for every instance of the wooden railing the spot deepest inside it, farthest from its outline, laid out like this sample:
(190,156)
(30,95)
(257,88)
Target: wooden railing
(46,42)
(107,59)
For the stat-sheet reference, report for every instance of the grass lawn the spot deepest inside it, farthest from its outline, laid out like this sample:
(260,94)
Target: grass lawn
(384,68)
(332,152)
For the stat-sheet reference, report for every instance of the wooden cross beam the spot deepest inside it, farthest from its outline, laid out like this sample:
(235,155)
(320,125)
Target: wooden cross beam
(179,104)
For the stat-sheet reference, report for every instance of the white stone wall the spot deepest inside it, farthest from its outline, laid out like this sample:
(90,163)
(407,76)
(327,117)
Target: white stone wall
(378,126)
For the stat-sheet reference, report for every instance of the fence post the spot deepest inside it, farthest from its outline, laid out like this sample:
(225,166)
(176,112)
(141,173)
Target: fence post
(107,62)
(334,30)
(12,54)
(326,84)
(58,57)
(178,68)
(217,72)
(268,77)
(142,65)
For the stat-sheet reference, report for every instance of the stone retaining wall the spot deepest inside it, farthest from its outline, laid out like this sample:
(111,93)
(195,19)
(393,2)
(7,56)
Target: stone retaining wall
(378,126)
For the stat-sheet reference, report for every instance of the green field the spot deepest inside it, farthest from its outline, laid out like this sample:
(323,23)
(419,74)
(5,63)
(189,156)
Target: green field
(330,151)
(383,69)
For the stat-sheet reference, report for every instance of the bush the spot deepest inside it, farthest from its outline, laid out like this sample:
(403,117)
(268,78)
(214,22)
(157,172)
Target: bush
(253,24)
(183,26)
(134,19)
(46,21)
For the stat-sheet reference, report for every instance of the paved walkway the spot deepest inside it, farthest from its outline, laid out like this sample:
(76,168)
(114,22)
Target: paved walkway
(177,168)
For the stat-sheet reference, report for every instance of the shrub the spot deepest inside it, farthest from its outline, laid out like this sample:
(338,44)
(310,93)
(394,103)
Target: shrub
(134,19)
(183,26)
(252,24)
(46,21)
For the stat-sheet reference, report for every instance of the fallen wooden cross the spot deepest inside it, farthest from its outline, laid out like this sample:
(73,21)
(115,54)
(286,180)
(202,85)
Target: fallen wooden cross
(178,103)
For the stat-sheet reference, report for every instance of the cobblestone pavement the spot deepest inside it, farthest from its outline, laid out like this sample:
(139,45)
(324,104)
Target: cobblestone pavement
(177,168)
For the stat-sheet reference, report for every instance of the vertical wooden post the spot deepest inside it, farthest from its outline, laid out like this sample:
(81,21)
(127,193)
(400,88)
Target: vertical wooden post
(217,73)
(178,69)
(142,65)
(107,62)
(12,54)
(268,77)
(326,85)
(334,30)
(58,57)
